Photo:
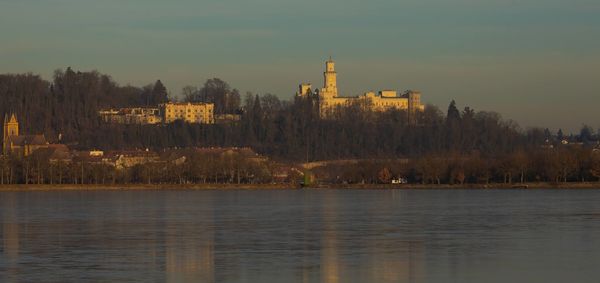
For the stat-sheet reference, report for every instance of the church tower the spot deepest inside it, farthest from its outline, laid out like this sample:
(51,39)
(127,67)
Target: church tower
(330,87)
(11,128)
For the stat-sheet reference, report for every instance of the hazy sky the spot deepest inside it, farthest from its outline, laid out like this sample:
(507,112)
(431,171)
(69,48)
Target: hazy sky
(534,61)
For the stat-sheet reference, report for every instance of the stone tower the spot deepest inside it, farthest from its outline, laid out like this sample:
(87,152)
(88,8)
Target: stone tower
(11,128)
(330,87)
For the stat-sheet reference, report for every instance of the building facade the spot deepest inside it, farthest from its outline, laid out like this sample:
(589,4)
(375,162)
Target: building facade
(189,112)
(227,118)
(329,98)
(135,115)
(201,113)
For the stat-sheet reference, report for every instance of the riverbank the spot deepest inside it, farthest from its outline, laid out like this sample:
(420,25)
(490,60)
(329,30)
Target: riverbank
(121,187)
(118,187)
(543,185)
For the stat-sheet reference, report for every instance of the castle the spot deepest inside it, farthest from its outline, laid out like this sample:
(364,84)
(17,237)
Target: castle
(21,145)
(329,99)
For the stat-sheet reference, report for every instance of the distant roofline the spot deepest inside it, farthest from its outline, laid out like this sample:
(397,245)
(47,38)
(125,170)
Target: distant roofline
(394,97)
(341,97)
(186,103)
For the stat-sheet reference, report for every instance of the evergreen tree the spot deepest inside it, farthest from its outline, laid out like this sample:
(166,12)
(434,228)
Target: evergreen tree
(257,118)
(586,134)
(159,94)
(559,135)
(453,114)
(453,127)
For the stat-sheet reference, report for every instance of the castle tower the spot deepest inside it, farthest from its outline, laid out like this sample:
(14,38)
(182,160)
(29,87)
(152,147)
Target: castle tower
(304,90)
(11,128)
(330,86)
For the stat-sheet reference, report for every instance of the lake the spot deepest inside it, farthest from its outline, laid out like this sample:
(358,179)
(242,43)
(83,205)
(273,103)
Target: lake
(301,236)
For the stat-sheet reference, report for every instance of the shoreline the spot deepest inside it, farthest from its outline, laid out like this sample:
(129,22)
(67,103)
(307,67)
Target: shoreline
(175,187)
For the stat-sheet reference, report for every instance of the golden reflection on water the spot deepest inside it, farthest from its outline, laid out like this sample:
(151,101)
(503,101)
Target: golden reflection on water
(404,266)
(330,265)
(190,254)
(391,259)
(381,259)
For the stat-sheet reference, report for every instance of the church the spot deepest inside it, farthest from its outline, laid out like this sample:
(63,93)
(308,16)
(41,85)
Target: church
(329,98)
(20,145)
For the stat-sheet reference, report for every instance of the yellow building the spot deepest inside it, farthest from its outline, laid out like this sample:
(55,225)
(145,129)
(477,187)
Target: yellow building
(329,98)
(188,112)
(22,145)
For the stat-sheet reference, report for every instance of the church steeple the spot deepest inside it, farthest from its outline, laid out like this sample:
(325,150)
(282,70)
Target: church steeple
(11,126)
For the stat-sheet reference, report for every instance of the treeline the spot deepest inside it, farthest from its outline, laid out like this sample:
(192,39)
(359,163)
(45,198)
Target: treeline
(191,168)
(285,130)
(553,165)
(569,163)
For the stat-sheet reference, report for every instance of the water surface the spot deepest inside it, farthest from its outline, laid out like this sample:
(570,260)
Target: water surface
(300,236)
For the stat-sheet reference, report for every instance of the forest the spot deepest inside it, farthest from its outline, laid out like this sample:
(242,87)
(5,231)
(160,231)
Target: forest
(66,110)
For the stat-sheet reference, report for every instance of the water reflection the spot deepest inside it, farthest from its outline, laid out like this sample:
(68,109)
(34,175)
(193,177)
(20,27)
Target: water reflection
(189,245)
(329,251)
(402,262)
(298,236)
(10,239)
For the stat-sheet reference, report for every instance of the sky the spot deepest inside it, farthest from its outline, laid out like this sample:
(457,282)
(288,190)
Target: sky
(534,61)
